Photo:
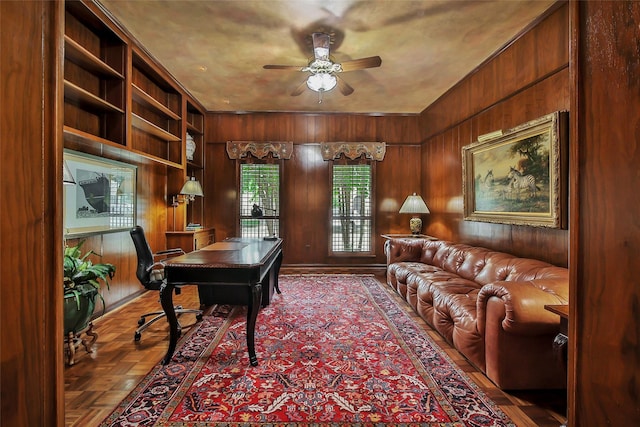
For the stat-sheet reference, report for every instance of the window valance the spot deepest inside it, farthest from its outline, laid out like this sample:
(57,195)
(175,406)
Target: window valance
(353,150)
(240,149)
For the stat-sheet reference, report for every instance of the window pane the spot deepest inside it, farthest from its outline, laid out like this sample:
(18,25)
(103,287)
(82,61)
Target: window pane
(259,186)
(351,224)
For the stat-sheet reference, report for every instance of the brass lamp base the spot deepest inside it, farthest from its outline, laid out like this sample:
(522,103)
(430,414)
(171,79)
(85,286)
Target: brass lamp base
(415,225)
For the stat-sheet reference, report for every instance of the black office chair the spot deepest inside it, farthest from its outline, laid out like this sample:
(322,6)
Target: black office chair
(150,273)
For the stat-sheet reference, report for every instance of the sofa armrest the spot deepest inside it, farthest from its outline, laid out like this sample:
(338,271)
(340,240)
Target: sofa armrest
(403,250)
(523,305)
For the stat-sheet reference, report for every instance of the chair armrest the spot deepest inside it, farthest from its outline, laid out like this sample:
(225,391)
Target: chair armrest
(523,305)
(175,251)
(156,265)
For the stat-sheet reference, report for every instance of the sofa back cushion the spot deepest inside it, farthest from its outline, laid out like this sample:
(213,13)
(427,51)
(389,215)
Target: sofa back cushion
(483,265)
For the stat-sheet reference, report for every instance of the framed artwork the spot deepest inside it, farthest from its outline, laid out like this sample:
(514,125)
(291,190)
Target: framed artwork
(519,176)
(103,198)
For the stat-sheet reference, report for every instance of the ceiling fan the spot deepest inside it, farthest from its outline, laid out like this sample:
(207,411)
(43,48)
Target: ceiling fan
(323,72)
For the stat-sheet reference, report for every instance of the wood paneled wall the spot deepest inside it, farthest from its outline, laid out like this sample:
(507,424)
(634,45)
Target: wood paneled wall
(31,362)
(305,194)
(604,336)
(528,79)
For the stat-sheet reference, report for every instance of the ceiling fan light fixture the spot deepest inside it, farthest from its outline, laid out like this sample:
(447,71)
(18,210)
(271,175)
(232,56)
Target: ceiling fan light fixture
(321,82)
(321,46)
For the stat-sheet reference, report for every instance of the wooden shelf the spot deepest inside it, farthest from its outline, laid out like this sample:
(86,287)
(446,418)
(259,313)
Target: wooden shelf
(87,100)
(194,119)
(77,135)
(146,126)
(85,59)
(194,129)
(157,159)
(144,98)
(87,139)
(194,165)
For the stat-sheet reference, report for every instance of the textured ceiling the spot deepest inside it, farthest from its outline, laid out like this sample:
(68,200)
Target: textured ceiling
(216,49)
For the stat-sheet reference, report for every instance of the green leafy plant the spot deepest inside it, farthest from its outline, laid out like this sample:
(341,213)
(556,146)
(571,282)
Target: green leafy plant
(81,276)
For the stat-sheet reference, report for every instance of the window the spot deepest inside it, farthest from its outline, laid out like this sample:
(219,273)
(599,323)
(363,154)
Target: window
(259,200)
(351,221)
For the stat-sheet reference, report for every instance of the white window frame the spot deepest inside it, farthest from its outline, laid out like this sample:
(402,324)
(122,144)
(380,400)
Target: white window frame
(346,234)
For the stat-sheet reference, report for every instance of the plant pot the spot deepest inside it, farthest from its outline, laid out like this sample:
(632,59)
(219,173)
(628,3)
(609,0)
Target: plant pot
(78,311)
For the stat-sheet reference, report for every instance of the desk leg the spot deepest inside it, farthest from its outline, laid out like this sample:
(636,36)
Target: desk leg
(252,315)
(276,269)
(166,299)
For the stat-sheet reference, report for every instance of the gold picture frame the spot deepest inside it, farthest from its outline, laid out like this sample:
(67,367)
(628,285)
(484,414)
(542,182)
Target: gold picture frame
(519,176)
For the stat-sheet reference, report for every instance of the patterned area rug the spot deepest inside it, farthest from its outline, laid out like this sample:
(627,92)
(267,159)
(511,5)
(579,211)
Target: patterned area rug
(333,350)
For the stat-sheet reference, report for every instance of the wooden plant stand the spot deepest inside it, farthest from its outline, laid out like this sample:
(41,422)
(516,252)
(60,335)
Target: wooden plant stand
(74,340)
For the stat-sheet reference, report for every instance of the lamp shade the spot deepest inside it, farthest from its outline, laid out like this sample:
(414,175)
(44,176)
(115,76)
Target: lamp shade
(321,82)
(192,188)
(414,205)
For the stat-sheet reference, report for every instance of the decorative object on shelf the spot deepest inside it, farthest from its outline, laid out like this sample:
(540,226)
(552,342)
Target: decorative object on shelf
(416,206)
(191,147)
(353,150)
(518,176)
(104,199)
(240,149)
(82,280)
(188,193)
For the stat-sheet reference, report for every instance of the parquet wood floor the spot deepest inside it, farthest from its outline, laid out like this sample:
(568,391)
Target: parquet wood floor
(98,381)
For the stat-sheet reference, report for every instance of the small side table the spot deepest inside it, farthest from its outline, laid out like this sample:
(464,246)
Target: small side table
(561,341)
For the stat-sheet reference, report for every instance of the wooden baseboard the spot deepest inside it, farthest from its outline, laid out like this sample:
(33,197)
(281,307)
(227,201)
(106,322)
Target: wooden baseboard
(333,269)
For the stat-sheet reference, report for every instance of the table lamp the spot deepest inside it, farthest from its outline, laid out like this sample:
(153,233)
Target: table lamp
(414,205)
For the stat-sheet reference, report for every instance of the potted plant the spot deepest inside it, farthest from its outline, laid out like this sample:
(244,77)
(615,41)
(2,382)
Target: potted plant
(82,282)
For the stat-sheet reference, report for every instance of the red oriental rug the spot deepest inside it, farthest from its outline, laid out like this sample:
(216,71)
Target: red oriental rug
(333,350)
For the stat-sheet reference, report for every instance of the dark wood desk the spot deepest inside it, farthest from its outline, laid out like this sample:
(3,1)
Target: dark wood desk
(240,271)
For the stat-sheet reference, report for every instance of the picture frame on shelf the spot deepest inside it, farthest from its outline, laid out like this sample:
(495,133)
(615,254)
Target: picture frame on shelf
(519,176)
(103,198)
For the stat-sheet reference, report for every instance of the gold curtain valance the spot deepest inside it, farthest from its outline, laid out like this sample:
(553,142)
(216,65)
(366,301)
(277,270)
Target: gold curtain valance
(353,150)
(240,149)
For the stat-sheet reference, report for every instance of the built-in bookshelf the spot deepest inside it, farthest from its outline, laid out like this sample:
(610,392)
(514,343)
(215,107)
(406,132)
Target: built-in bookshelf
(94,78)
(156,110)
(119,100)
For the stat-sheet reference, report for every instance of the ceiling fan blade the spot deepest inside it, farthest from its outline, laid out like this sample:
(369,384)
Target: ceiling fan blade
(359,64)
(344,87)
(301,87)
(283,67)
(321,43)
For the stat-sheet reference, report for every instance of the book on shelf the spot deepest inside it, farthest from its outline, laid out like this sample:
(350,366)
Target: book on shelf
(194,227)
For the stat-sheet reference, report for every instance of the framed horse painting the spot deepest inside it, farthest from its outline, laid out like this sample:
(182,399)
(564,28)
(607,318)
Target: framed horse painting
(518,176)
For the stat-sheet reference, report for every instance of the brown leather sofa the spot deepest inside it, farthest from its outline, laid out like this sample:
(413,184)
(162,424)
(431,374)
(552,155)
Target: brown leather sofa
(489,305)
